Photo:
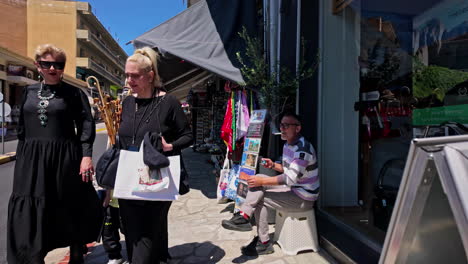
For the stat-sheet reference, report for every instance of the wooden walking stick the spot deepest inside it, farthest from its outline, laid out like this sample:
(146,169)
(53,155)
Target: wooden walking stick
(111,110)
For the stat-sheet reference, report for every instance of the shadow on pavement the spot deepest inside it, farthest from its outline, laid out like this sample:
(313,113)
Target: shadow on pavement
(97,254)
(229,208)
(200,171)
(243,259)
(204,252)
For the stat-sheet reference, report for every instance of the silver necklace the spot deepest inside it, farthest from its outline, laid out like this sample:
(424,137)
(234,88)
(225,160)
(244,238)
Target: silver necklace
(42,105)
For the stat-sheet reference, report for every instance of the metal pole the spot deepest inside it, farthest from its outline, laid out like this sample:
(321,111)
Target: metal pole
(3,116)
(298,50)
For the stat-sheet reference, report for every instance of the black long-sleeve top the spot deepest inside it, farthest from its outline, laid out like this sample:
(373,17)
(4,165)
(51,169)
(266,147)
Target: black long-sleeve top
(69,116)
(167,114)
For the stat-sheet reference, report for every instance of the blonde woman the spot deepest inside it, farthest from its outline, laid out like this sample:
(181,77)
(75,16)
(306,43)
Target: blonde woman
(150,110)
(53,203)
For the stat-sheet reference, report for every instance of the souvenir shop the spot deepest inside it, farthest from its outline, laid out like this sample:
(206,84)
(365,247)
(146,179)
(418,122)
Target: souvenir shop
(16,72)
(394,71)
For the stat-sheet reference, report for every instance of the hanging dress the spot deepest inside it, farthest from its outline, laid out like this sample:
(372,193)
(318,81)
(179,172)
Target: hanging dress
(50,206)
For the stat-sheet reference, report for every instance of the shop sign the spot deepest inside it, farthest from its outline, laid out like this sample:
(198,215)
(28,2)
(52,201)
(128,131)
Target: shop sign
(339,5)
(114,89)
(16,70)
(438,115)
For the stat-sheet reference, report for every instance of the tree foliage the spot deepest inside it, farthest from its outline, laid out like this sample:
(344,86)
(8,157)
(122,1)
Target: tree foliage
(277,88)
(434,80)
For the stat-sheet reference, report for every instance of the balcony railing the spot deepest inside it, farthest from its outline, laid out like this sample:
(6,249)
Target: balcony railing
(106,74)
(91,64)
(104,49)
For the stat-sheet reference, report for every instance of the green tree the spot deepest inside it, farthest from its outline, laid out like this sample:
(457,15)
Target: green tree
(434,80)
(277,89)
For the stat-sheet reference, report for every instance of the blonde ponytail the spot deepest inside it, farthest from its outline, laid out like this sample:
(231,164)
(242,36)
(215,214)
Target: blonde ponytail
(148,59)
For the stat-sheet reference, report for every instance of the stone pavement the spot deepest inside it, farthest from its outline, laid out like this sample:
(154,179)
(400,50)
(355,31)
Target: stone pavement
(195,231)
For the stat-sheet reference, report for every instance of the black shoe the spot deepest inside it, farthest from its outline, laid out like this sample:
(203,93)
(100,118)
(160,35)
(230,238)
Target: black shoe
(256,247)
(237,223)
(76,259)
(250,249)
(76,254)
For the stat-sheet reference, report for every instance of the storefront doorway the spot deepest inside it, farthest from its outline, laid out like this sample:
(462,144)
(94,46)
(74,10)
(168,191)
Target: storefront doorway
(392,71)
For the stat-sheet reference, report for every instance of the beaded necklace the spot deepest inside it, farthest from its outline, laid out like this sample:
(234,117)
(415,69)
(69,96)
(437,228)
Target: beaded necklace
(42,105)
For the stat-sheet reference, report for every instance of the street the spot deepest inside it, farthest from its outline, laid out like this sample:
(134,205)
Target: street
(6,180)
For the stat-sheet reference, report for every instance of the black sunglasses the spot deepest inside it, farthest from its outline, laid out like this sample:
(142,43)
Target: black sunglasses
(58,65)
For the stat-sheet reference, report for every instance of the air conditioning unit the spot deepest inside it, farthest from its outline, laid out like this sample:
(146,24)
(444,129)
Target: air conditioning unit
(30,74)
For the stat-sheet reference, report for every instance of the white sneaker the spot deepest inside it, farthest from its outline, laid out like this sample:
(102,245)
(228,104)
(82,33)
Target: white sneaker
(115,261)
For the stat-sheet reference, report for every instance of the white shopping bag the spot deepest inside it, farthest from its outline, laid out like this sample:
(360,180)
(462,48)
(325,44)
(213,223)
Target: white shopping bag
(223,181)
(128,177)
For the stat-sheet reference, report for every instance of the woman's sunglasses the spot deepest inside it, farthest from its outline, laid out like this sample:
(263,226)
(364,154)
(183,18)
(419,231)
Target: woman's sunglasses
(58,65)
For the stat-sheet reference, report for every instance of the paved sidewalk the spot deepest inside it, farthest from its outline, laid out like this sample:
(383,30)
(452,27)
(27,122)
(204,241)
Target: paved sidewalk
(195,232)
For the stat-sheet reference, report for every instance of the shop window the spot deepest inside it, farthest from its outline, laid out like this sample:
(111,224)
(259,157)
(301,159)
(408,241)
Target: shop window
(413,78)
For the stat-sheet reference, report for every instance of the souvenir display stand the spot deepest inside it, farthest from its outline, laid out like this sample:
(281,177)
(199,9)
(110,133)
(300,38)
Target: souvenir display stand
(250,153)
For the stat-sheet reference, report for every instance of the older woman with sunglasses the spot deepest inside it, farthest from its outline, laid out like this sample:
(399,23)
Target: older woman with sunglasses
(53,203)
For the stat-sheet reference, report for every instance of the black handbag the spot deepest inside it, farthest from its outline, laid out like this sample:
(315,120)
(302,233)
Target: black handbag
(106,167)
(184,181)
(154,159)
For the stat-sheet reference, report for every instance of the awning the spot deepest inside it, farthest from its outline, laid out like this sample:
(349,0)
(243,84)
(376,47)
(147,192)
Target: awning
(204,36)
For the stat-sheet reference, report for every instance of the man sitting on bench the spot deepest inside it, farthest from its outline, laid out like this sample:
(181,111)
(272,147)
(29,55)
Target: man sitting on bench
(299,187)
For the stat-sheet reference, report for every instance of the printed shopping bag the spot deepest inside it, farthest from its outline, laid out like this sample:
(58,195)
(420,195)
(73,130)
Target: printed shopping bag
(233,181)
(130,176)
(151,180)
(223,181)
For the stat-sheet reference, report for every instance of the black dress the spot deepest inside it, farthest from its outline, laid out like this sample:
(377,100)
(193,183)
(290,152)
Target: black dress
(50,206)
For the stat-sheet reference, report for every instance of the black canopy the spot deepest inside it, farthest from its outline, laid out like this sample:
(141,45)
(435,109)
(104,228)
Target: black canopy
(203,36)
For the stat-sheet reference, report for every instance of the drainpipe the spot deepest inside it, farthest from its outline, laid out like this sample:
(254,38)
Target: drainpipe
(274,33)
(298,48)
(2,90)
(274,43)
(266,32)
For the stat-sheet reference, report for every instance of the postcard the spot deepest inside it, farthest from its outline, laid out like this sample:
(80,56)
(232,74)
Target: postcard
(258,116)
(242,189)
(246,144)
(245,173)
(255,130)
(249,160)
(253,144)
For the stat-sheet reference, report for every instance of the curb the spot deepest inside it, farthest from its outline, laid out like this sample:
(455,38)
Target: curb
(7,157)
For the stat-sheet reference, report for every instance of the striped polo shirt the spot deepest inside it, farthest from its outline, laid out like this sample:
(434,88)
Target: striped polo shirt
(301,169)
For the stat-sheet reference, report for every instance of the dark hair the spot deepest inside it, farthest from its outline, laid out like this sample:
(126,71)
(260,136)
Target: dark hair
(293,115)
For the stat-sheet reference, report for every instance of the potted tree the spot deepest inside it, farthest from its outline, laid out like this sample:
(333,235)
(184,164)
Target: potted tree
(276,89)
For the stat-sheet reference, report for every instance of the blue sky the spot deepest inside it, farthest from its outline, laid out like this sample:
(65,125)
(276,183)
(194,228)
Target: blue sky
(128,19)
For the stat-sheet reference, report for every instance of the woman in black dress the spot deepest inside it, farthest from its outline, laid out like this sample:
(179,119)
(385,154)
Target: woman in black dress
(150,110)
(53,203)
